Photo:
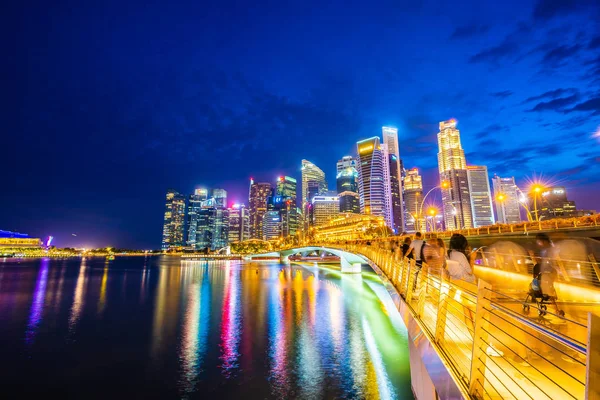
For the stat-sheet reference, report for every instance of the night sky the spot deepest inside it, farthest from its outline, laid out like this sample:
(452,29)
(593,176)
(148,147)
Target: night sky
(110,104)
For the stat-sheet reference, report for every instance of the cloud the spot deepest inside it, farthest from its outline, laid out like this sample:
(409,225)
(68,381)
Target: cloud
(559,104)
(467,31)
(592,105)
(551,94)
(497,53)
(559,55)
(547,9)
(502,94)
(594,43)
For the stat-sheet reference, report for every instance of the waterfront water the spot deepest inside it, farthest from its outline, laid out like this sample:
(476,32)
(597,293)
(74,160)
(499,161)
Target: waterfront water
(155,328)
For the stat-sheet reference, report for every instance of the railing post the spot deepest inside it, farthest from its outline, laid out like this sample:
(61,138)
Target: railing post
(480,338)
(403,275)
(594,265)
(422,285)
(411,280)
(592,368)
(563,271)
(440,323)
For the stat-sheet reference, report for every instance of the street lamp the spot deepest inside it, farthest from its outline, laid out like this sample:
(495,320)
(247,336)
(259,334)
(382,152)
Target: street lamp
(536,189)
(432,213)
(442,185)
(501,198)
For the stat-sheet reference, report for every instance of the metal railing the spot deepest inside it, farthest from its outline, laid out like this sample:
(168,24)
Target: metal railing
(493,349)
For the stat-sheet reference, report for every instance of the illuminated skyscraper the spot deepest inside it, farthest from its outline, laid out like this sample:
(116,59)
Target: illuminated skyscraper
(413,196)
(285,202)
(325,208)
(345,162)
(347,180)
(220,196)
(481,198)
(259,193)
(310,172)
(374,179)
(506,195)
(390,139)
(239,223)
(453,171)
(194,205)
(174,219)
(271,225)
(349,202)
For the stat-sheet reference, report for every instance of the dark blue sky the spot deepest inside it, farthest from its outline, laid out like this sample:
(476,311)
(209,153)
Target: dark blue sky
(109,104)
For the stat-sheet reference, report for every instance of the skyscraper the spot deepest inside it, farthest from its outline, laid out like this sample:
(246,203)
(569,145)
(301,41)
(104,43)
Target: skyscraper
(220,196)
(212,227)
(349,202)
(373,179)
(345,162)
(325,208)
(346,180)
(413,196)
(239,223)
(271,225)
(506,195)
(257,205)
(481,198)
(194,205)
(174,219)
(390,139)
(310,172)
(453,171)
(285,201)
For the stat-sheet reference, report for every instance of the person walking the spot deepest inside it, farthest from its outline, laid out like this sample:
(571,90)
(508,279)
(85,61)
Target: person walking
(547,269)
(405,247)
(415,249)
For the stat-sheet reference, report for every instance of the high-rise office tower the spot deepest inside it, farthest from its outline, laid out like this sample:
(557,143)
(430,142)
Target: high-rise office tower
(453,175)
(413,197)
(325,208)
(345,162)
(239,223)
(310,172)
(349,202)
(481,197)
(174,220)
(506,195)
(390,139)
(286,204)
(552,202)
(347,180)
(194,205)
(220,228)
(257,206)
(374,179)
(212,227)
(271,225)
(220,196)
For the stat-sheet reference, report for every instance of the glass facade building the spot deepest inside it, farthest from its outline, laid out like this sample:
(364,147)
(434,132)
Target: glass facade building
(507,198)
(413,196)
(173,221)
(390,139)
(257,206)
(481,197)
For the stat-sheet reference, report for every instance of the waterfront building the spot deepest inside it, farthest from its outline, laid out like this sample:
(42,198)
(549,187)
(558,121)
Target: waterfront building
(453,171)
(552,202)
(173,221)
(220,228)
(220,196)
(312,173)
(285,201)
(349,227)
(346,180)
(345,162)
(349,202)
(17,240)
(506,200)
(481,197)
(193,208)
(413,196)
(373,179)
(239,223)
(390,139)
(271,225)
(324,209)
(212,227)
(257,207)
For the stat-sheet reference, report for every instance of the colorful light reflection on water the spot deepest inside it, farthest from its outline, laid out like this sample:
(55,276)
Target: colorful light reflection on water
(198,330)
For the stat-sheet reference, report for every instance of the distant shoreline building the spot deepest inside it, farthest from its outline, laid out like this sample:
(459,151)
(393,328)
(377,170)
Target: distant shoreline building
(413,196)
(173,221)
(257,207)
(452,167)
(506,200)
(481,197)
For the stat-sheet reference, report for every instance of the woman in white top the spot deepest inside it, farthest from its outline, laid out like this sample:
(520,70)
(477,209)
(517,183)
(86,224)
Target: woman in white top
(458,252)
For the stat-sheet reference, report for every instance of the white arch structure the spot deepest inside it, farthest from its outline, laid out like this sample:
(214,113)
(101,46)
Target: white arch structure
(350,262)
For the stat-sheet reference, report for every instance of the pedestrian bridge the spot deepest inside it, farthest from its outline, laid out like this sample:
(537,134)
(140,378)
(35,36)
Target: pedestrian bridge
(350,262)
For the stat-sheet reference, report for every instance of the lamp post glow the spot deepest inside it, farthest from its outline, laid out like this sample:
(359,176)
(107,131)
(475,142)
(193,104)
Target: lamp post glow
(536,189)
(442,185)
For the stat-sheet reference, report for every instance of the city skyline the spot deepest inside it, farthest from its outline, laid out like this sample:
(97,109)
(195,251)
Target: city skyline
(97,137)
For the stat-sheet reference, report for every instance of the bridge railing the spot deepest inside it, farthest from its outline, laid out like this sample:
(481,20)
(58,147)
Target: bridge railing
(492,347)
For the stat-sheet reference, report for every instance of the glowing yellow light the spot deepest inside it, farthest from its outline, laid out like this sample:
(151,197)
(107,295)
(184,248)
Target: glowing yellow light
(501,197)
(364,149)
(445,185)
(432,211)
